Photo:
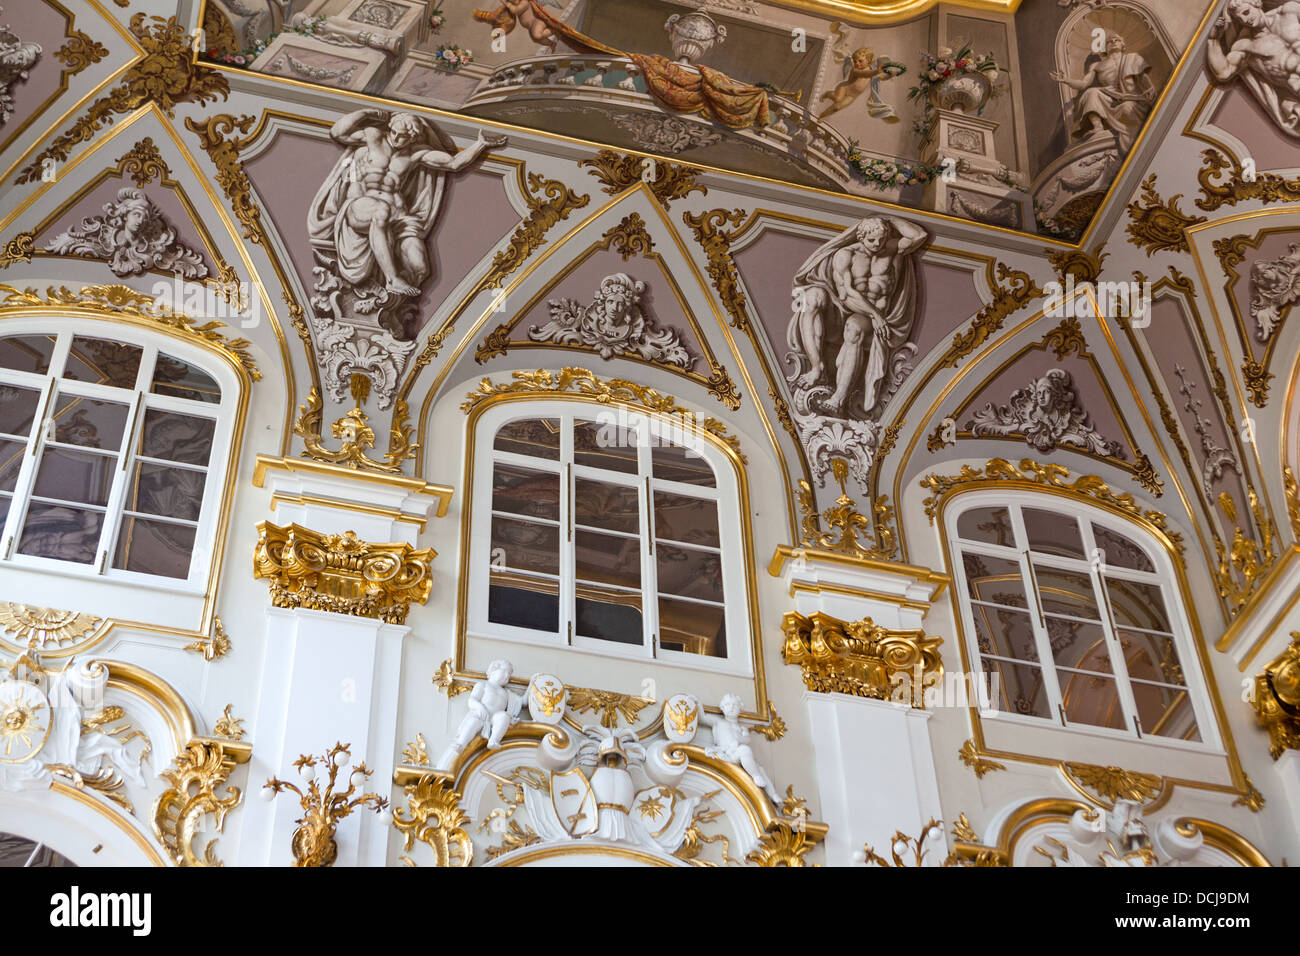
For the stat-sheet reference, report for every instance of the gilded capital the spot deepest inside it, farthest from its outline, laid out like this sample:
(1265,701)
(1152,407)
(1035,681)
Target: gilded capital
(341,573)
(861,657)
(1277,699)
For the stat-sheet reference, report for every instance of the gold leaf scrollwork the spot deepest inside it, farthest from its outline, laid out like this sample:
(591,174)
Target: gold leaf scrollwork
(1234,187)
(716,243)
(143,163)
(1243,565)
(775,727)
(192,795)
(445,679)
(1114,783)
(1156,225)
(356,436)
(977,762)
(1083,266)
(167,74)
(228,726)
(80,52)
(861,658)
(1250,797)
(1292,492)
(1144,473)
(844,518)
(231,177)
(781,845)
(18,249)
(1256,376)
(340,573)
(436,820)
(1013,290)
(497,342)
(416,752)
(722,388)
(619,172)
(629,237)
(549,201)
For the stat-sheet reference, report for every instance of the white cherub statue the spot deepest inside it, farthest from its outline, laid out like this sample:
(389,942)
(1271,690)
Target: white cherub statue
(493,707)
(731,743)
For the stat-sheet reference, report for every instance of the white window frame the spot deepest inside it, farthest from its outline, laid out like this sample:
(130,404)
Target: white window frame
(725,494)
(1164,577)
(223,413)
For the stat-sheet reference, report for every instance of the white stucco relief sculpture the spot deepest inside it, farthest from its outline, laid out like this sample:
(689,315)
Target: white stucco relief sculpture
(1215,459)
(16,58)
(1119,837)
(1262,48)
(1274,285)
(493,707)
(1115,95)
(1047,414)
(731,743)
(854,311)
(613,324)
(131,236)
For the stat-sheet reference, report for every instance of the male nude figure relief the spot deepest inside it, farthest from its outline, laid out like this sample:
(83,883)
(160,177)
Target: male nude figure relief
(1262,47)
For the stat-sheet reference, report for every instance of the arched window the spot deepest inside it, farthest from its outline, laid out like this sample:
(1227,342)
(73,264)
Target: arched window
(607,530)
(1075,619)
(112,452)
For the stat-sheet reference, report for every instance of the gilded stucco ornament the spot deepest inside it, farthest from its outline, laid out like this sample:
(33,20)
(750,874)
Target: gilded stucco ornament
(716,243)
(1276,700)
(341,573)
(610,706)
(846,523)
(1119,837)
(1233,186)
(976,761)
(1156,225)
(862,658)
(79,52)
(618,172)
(231,177)
(228,726)
(436,820)
(215,647)
(20,248)
(1012,291)
(549,202)
(1243,563)
(181,811)
(45,628)
(1291,488)
(629,237)
(143,163)
(1114,783)
(355,435)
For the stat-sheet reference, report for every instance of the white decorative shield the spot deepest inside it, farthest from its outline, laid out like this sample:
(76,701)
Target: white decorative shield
(25,721)
(547,697)
(574,802)
(681,718)
(654,808)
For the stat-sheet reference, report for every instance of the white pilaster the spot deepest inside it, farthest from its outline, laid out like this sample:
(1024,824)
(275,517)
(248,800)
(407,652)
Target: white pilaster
(1288,771)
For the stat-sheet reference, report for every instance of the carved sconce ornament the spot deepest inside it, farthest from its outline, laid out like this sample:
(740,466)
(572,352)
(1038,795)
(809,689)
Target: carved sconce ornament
(861,657)
(1277,699)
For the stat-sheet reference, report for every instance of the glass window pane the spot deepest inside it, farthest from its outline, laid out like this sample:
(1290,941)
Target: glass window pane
(179,379)
(27,353)
(1118,551)
(692,628)
(608,616)
(1151,657)
(6,502)
(176,437)
(518,600)
(607,445)
(1137,605)
(1165,711)
(994,579)
(1051,533)
(992,525)
(675,462)
(1003,632)
(103,362)
(1016,688)
(681,518)
(1090,699)
(80,476)
(526,491)
(1066,592)
(525,545)
(1079,645)
(89,422)
(11,460)
(607,559)
(17,409)
(171,492)
(537,437)
(602,505)
(154,547)
(66,534)
(689,572)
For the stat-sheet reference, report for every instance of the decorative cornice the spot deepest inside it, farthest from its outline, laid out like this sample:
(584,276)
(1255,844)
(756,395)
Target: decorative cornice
(436,820)
(716,243)
(1234,187)
(194,778)
(1113,783)
(861,658)
(614,391)
(167,74)
(618,172)
(1001,471)
(847,520)
(124,301)
(340,573)
(1156,225)
(1277,699)
(1013,290)
(976,761)
(231,176)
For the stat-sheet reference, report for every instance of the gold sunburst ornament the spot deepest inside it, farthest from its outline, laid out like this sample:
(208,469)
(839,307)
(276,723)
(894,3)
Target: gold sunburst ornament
(44,627)
(24,721)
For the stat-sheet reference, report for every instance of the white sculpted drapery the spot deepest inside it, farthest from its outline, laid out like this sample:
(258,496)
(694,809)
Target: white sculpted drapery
(1262,47)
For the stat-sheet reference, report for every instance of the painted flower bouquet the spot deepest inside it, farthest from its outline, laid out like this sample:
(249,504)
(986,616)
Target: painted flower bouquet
(452,57)
(886,173)
(437,19)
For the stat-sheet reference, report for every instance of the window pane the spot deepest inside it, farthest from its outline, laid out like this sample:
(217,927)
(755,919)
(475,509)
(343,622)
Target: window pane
(606,559)
(994,579)
(176,437)
(1003,632)
(693,520)
(525,545)
(11,460)
(1089,699)
(17,409)
(179,379)
(526,491)
(1066,592)
(80,476)
(1017,688)
(675,462)
(692,628)
(1078,645)
(103,361)
(689,572)
(171,492)
(605,445)
(6,501)
(609,616)
(1165,711)
(89,422)
(27,353)
(602,505)
(154,547)
(536,437)
(1137,605)
(1051,533)
(992,525)
(1119,551)
(1151,657)
(517,600)
(66,534)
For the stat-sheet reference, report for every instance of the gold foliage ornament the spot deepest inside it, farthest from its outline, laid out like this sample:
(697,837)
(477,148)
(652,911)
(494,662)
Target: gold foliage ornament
(1276,700)
(231,177)
(1114,783)
(549,201)
(80,52)
(436,820)
(844,518)
(1243,565)
(18,249)
(193,781)
(861,658)
(45,627)
(1013,290)
(716,243)
(1234,187)
(355,434)
(1156,225)
(618,172)
(977,762)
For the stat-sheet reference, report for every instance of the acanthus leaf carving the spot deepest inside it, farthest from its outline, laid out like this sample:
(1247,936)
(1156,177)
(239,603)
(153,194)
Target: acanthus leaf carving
(1047,414)
(132,236)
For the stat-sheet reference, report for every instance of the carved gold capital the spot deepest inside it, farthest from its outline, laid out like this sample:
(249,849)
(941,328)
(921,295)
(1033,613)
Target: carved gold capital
(341,573)
(860,657)
(197,773)
(1277,699)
